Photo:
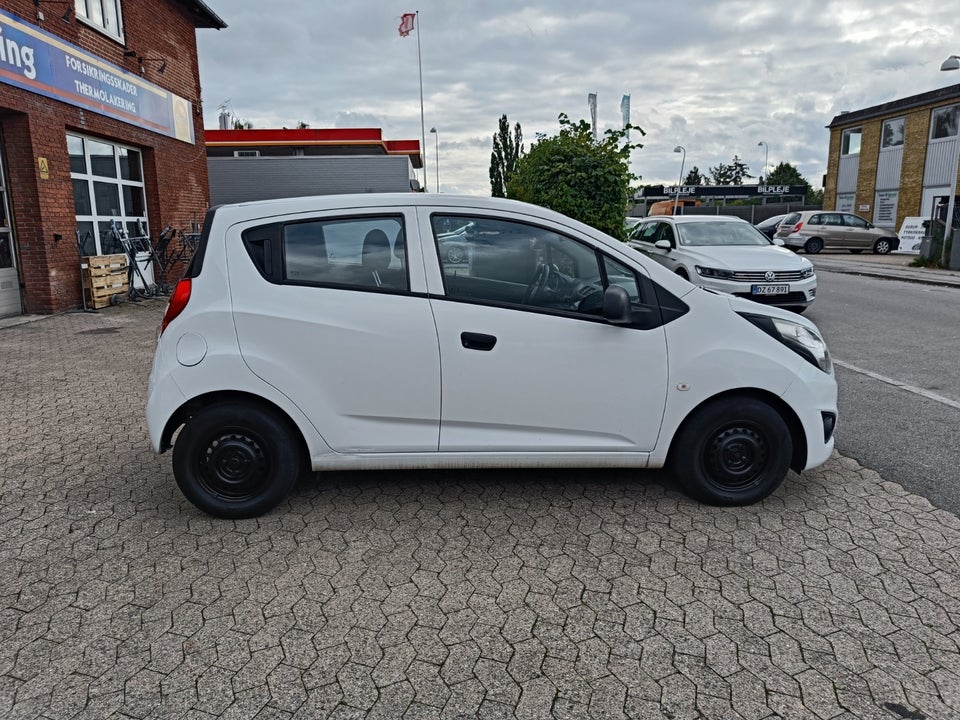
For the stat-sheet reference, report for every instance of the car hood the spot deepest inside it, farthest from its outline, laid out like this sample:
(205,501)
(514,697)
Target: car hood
(760,257)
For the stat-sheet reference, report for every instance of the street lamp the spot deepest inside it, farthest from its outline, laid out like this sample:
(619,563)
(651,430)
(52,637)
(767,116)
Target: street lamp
(434,131)
(766,156)
(951,63)
(676,198)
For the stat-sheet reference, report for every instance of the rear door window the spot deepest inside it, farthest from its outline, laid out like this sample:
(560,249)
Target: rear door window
(854,221)
(366,252)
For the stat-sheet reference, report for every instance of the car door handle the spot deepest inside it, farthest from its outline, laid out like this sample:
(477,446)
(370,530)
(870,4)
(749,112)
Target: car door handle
(477,341)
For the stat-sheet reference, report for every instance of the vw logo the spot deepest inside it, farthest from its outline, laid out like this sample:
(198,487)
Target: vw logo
(769,276)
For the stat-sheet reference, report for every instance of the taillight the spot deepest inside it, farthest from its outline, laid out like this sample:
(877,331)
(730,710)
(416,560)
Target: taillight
(796,228)
(178,301)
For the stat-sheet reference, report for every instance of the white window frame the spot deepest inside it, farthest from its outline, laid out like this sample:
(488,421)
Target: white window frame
(939,110)
(246,153)
(843,141)
(96,14)
(127,221)
(903,123)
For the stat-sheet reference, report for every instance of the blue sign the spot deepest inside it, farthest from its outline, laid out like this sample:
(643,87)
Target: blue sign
(35,60)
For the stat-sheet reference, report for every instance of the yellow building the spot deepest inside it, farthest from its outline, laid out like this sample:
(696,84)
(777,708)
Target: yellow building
(893,161)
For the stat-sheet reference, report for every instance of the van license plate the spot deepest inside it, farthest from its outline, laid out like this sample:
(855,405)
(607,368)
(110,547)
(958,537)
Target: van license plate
(769,289)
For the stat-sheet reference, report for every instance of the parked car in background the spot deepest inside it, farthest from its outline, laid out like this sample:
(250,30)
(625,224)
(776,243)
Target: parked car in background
(555,345)
(769,226)
(816,230)
(729,255)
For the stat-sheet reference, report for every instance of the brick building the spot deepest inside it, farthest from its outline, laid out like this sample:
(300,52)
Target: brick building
(896,160)
(100,122)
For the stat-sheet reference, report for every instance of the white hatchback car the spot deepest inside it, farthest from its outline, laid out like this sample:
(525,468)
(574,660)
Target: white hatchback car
(331,333)
(729,255)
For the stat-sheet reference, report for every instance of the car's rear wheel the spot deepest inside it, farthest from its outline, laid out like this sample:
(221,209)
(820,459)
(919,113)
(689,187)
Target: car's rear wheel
(857,252)
(882,246)
(732,451)
(236,460)
(813,246)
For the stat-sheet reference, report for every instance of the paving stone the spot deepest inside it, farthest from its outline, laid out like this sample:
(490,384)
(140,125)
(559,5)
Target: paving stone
(468,594)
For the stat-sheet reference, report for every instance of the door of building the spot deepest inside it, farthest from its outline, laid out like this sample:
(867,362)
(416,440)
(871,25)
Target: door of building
(9,280)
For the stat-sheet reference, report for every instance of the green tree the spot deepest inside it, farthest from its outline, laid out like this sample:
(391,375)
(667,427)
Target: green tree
(695,177)
(786,174)
(507,151)
(732,174)
(572,173)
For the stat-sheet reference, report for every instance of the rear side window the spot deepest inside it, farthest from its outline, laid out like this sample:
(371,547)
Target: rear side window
(791,219)
(366,252)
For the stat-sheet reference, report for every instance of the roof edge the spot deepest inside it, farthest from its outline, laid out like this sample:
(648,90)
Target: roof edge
(944,94)
(203,16)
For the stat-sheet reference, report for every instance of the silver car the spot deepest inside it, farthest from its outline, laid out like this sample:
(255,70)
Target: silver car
(816,230)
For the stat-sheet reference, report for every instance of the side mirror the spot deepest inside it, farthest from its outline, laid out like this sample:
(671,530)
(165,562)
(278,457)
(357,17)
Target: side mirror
(616,306)
(663,245)
(778,241)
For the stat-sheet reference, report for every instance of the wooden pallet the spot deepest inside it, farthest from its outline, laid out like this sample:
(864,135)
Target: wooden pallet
(104,279)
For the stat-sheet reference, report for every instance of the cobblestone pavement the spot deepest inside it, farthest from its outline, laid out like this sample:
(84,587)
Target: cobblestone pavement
(570,594)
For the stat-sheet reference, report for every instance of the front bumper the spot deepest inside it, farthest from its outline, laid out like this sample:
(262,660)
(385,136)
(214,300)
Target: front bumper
(801,294)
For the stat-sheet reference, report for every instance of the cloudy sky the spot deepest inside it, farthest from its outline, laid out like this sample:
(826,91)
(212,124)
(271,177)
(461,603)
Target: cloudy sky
(717,77)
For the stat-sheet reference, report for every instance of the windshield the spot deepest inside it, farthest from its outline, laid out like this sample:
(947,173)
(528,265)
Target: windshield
(720,234)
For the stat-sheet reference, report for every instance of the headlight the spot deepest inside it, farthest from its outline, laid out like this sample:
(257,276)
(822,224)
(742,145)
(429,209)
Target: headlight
(714,273)
(806,272)
(799,338)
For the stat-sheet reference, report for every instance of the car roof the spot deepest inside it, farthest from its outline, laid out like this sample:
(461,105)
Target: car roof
(695,218)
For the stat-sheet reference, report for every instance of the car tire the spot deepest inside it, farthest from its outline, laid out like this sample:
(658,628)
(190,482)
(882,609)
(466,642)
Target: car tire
(882,246)
(237,460)
(732,451)
(799,309)
(683,273)
(857,252)
(813,246)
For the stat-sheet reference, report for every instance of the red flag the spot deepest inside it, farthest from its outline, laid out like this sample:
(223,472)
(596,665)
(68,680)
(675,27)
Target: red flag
(406,23)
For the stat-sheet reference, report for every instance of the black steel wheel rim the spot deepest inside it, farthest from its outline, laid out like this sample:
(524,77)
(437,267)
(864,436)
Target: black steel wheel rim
(736,457)
(234,466)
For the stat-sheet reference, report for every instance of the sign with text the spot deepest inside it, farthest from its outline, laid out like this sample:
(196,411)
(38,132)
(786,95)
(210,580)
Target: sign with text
(885,209)
(724,191)
(35,60)
(911,235)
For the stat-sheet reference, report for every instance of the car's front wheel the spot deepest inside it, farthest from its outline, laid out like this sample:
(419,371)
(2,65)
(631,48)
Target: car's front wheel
(236,460)
(882,246)
(683,273)
(732,451)
(813,246)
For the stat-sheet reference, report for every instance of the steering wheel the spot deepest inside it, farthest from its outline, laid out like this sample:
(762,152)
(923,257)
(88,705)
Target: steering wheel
(539,282)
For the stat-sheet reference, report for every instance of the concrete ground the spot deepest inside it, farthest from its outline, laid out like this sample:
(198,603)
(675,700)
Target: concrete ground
(569,594)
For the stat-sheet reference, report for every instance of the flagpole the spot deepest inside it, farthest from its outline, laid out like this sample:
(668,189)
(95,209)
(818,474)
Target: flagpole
(423,133)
